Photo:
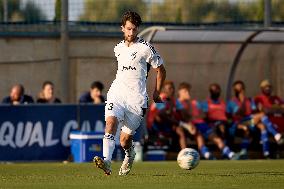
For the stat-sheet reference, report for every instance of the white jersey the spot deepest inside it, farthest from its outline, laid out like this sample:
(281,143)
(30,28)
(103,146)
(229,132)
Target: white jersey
(134,62)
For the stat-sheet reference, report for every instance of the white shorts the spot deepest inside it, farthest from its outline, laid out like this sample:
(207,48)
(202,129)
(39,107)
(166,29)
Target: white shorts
(130,116)
(126,105)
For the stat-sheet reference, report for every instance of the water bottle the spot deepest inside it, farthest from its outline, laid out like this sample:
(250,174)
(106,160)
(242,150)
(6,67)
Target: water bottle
(139,151)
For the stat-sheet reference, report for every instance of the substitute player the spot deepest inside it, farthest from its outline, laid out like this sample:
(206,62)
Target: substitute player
(127,96)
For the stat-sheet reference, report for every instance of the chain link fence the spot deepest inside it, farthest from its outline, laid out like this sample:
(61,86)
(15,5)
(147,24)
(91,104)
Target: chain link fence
(101,16)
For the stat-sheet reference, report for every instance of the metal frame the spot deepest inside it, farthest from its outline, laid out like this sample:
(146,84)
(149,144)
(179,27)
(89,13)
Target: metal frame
(239,54)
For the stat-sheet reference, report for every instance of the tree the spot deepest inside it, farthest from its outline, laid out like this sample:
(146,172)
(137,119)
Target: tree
(57,16)
(109,10)
(30,12)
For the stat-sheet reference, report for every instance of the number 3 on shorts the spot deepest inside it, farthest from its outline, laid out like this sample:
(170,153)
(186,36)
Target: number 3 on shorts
(110,106)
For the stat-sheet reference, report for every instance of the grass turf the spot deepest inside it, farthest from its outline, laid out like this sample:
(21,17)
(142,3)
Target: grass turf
(209,174)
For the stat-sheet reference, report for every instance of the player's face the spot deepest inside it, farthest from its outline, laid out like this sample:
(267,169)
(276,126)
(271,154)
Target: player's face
(267,90)
(130,31)
(215,92)
(169,90)
(238,88)
(184,94)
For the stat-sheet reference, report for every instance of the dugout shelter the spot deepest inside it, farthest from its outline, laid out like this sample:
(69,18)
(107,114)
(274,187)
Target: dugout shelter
(203,56)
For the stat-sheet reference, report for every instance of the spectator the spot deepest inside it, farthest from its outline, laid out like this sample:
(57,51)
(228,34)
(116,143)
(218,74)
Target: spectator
(94,95)
(184,107)
(46,94)
(243,112)
(162,118)
(17,96)
(197,118)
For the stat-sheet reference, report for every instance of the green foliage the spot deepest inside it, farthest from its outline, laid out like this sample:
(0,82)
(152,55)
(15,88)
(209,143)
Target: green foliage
(57,16)
(30,12)
(182,11)
(109,10)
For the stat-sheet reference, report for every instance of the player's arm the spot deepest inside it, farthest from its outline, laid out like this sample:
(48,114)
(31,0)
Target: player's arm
(161,76)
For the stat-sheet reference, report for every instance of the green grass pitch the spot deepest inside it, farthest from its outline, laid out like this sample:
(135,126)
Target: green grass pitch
(209,174)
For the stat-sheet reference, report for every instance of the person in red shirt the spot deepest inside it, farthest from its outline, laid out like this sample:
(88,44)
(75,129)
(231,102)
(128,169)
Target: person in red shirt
(196,116)
(246,117)
(271,105)
(215,109)
(163,120)
(188,117)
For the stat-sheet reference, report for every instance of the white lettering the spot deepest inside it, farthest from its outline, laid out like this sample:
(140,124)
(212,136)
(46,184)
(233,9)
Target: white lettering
(22,138)
(37,135)
(86,126)
(7,139)
(48,138)
(72,124)
(99,126)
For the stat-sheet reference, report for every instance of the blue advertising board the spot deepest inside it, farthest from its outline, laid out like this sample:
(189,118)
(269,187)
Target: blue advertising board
(41,132)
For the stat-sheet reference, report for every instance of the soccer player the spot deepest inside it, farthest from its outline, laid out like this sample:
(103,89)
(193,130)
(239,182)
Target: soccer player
(194,108)
(127,96)
(215,109)
(272,106)
(189,117)
(244,114)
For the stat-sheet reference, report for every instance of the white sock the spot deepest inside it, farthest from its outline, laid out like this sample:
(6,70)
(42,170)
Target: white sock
(108,146)
(127,151)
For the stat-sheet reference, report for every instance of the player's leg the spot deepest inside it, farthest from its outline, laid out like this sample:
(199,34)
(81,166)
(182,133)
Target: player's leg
(244,131)
(113,113)
(264,139)
(203,131)
(131,123)
(126,142)
(202,147)
(181,135)
(108,145)
(269,126)
(226,151)
(108,140)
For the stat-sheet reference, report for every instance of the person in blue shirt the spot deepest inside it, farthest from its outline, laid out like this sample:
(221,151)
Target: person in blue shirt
(244,114)
(94,95)
(216,120)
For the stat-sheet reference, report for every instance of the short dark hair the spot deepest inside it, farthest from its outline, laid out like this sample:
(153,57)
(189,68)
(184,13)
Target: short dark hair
(98,85)
(184,85)
(132,17)
(46,83)
(239,82)
(214,85)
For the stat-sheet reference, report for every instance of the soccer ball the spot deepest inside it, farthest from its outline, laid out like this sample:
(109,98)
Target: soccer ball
(188,158)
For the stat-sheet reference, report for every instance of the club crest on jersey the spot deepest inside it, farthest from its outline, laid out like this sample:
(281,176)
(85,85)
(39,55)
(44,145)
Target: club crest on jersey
(133,55)
(128,68)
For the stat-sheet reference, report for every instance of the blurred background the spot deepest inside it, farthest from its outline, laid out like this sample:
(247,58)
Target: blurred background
(70,43)
(31,49)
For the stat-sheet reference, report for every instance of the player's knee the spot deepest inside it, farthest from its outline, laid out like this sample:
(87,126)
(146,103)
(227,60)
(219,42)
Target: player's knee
(261,127)
(111,125)
(180,132)
(125,142)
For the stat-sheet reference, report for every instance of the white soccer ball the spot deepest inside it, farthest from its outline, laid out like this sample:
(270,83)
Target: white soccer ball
(188,158)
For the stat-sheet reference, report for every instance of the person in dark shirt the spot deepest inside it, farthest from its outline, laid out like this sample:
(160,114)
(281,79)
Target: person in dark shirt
(46,94)
(17,96)
(94,95)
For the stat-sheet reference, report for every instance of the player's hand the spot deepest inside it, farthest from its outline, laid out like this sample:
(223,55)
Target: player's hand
(156,97)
